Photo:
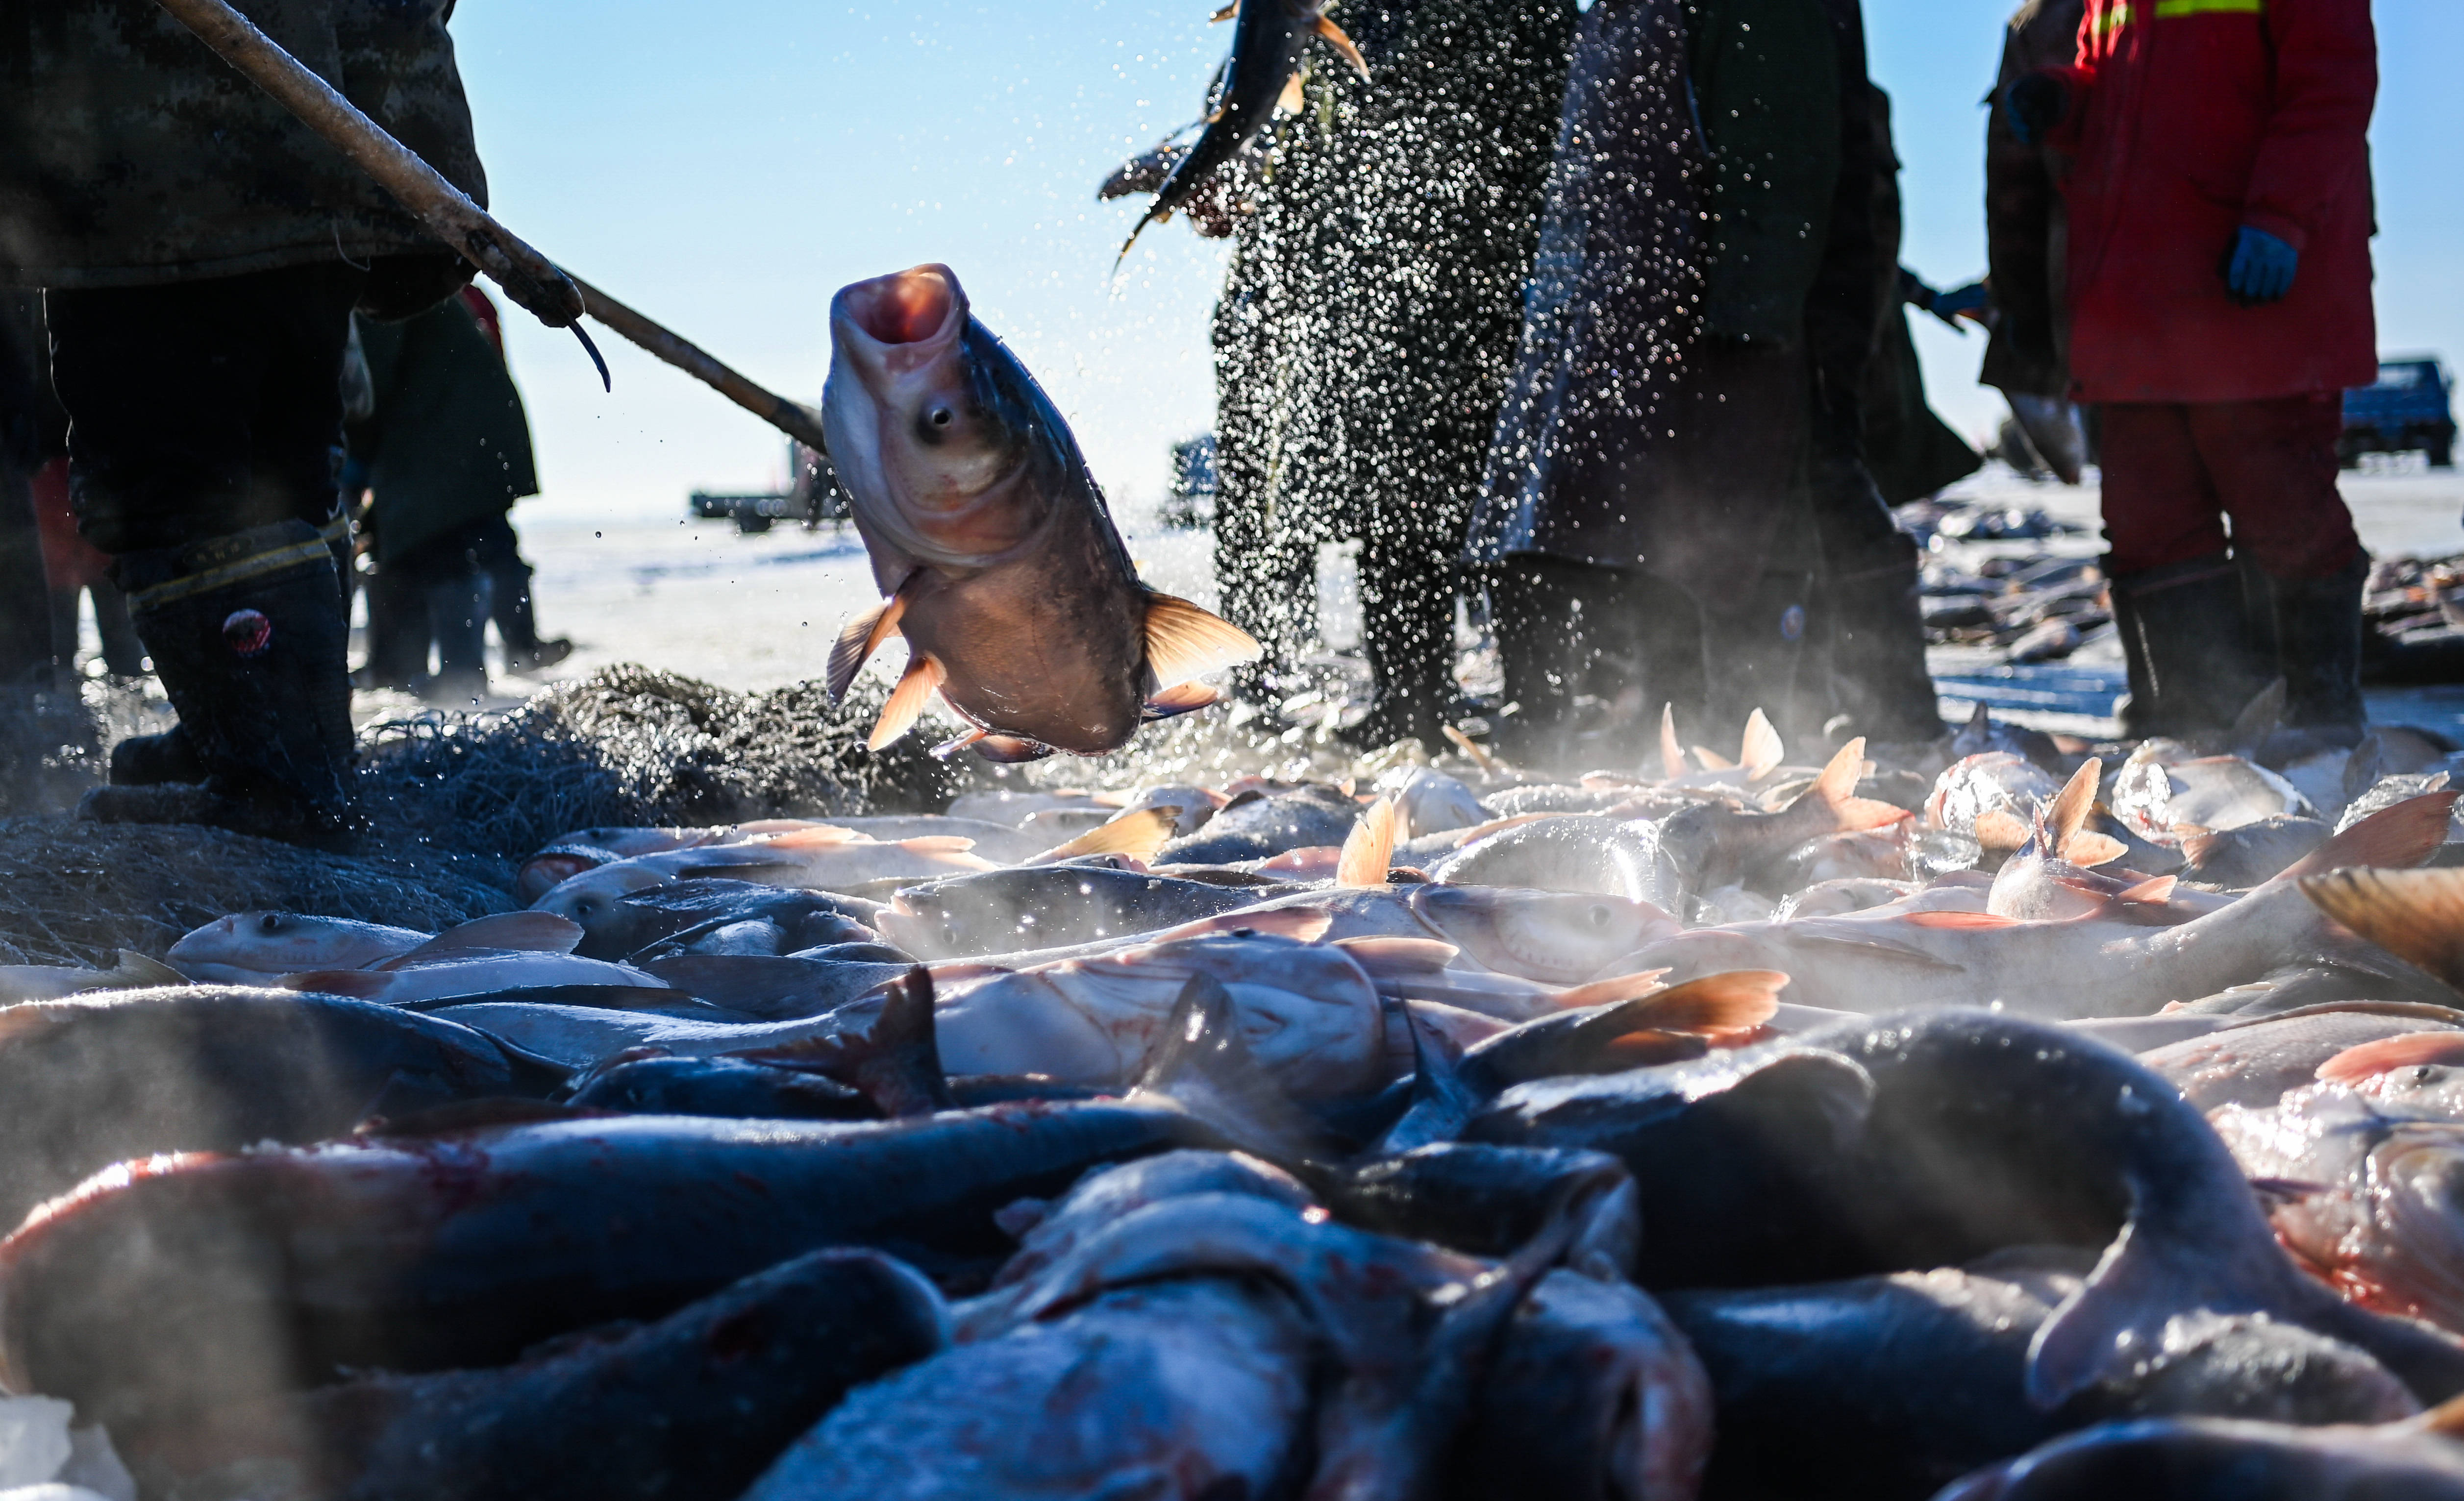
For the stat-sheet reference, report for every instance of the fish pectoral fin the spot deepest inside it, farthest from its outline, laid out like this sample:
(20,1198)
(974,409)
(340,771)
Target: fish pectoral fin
(135,971)
(820,835)
(2416,915)
(1293,101)
(1672,755)
(1011,750)
(1369,848)
(1185,698)
(1224,14)
(922,679)
(1184,642)
(2411,1049)
(858,640)
(1308,925)
(2154,891)
(1334,39)
(1958,920)
(1201,1063)
(1713,760)
(958,742)
(1138,835)
(2090,849)
(1396,958)
(535,931)
(1761,749)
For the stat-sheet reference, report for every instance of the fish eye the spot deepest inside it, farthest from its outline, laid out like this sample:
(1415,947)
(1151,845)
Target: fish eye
(2425,1075)
(1599,916)
(270,923)
(941,417)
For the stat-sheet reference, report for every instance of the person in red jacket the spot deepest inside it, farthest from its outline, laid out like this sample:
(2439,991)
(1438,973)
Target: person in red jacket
(2219,291)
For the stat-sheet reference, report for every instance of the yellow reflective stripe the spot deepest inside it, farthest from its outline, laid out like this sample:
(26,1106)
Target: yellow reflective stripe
(2121,15)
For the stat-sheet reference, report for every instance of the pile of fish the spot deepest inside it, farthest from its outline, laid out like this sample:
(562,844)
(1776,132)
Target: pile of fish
(2049,1127)
(2031,609)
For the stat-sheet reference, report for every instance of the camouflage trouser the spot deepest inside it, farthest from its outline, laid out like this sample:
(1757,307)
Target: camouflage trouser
(201,408)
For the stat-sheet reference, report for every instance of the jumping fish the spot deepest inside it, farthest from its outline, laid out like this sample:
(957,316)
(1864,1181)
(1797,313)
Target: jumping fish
(991,541)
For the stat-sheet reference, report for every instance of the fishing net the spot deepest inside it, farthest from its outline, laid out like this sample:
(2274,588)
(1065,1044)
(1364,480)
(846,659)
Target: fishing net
(629,745)
(76,893)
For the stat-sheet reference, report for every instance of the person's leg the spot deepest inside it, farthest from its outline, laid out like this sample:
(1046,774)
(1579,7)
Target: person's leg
(455,591)
(124,654)
(509,602)
(1869,609)
(397,631)
(2275,468)
(205,417)
(2177,597)
(1407,632)
(1537,609)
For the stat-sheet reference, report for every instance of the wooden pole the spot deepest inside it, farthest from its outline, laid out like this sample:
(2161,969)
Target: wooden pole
(529,278)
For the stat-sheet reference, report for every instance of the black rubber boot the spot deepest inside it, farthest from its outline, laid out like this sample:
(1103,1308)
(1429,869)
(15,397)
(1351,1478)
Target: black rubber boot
(2319,650)
(247,637)
(2186,639)
(457,617)
(151,760)
(1876,634)
(1754,657)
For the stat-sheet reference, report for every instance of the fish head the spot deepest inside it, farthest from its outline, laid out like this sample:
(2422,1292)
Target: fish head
(2418,1075)
(284,943)
(591,897)
(933,426)
(1560,938)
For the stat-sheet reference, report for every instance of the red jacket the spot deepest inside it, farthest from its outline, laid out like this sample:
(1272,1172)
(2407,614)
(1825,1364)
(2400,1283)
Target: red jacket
(2188,119)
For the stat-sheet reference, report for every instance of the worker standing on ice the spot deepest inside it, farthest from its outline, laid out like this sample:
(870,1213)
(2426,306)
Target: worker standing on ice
(2219,302)
(203,251)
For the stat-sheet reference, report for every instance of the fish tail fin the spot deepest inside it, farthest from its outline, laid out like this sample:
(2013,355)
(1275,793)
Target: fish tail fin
(2119,1316)
(858,640)
(2088,849)
(1203,1065)
(1836,791)
(1224,14)
(1186,697)
(1711,760)
(1733,1000)
(923,678)
(1672,755)
(1442,1098)
(1138,835)
(543,932)
(135,971)
(1369,848)
(1760,749)
(895,1063)
(2416,915)
(2067,813)
(1010,749)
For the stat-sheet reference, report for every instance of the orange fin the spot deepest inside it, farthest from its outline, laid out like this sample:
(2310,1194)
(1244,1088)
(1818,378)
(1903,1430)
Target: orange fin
(1184,642)
(1398,957)
(2412,1050)
(820,835)
(1224,14)
(1341,43)
(1713,760)
(1480,757)
(1760,750)
(1010,749)
(858,641)
(1138,835)
(1369,848)
(958,742)
(2401,837)
(923,679)
(2071,805)
(1672,755)
(2446,1418)
(1185,698)
(1952,920)
(1613,991)
(1293,101)
(1731,1001)
(2155,891)
(2413,914)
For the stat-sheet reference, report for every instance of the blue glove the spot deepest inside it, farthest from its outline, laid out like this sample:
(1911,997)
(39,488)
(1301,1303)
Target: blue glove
(2260,267)
(2035,104)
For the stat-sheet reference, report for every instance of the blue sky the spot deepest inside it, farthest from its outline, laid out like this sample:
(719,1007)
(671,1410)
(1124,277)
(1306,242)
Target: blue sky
(726,167)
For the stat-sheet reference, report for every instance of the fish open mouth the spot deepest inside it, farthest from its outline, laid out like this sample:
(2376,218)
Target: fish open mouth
(906,307)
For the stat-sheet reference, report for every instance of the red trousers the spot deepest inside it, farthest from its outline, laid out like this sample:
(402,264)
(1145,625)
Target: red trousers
(2174,473)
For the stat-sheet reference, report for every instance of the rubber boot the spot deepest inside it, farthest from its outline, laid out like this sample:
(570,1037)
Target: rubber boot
(152,760)
(397,631)
(457,617)
(1876,635)
(510,606)
(2185,640)
(1754,657)
(1544,653)
(1407,629)
(247,637)
(2319,651)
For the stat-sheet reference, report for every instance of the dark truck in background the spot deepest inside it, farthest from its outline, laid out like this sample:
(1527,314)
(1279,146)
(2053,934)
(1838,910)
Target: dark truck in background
(812,497)
(2407,408)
